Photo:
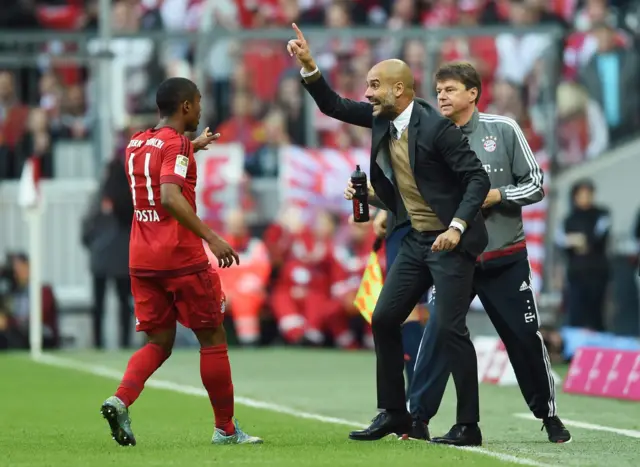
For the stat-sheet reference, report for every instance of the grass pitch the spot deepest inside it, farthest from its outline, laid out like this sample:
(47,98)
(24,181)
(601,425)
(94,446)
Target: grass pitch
(302,402)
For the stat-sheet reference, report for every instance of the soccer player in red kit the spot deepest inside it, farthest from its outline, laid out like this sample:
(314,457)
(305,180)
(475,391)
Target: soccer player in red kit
(171,277)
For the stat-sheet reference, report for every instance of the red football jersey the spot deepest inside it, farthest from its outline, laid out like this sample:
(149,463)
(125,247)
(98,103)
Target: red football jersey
(159,245)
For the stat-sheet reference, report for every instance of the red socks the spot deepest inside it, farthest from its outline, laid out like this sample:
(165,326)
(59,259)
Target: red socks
(215,372)
(141,366)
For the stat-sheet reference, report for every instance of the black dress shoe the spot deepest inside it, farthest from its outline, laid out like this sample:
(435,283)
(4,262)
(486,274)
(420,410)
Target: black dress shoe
(461,435)
(419,431)
(385,423)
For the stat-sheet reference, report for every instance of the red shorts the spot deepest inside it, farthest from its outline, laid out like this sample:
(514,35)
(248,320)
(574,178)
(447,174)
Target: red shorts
(196,301)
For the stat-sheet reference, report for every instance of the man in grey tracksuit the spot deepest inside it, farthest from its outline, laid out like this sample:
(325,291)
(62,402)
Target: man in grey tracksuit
(502,279)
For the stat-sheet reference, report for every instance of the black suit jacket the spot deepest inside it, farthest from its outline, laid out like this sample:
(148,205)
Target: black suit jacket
(449,175)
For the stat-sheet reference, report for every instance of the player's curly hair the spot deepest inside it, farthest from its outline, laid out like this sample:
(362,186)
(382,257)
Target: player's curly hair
(172,93)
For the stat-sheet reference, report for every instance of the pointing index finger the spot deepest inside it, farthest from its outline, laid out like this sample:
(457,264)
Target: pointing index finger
(298,32)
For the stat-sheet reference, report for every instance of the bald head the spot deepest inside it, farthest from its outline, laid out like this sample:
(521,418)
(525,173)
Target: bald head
(396,71)
(390,87)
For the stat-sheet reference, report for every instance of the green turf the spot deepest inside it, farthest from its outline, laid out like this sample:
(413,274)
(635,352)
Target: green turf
(50,417)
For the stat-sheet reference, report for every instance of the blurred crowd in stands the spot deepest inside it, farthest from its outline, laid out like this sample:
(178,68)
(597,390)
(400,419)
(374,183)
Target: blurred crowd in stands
(305,275)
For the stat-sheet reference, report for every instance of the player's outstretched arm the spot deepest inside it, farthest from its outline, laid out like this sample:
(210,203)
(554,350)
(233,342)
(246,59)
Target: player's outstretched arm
(176,204)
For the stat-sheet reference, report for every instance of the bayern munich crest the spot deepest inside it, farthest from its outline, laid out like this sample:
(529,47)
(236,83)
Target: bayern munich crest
(489,143)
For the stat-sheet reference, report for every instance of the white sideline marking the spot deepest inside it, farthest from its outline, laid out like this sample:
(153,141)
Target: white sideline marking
(586,426)
(110,373)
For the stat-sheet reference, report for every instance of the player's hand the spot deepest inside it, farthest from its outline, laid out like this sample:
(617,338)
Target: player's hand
(223,251)
(446,241)
(493,197)
(204,140)
(300,49)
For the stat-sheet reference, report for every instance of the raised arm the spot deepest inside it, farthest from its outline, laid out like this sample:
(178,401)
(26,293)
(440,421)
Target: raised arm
(327,100)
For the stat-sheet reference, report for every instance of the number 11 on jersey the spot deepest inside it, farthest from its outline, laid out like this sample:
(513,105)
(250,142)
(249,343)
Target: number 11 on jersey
(147,175)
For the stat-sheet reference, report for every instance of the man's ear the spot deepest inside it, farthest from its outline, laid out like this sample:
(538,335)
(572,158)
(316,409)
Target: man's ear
(399,88)
(473,94)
